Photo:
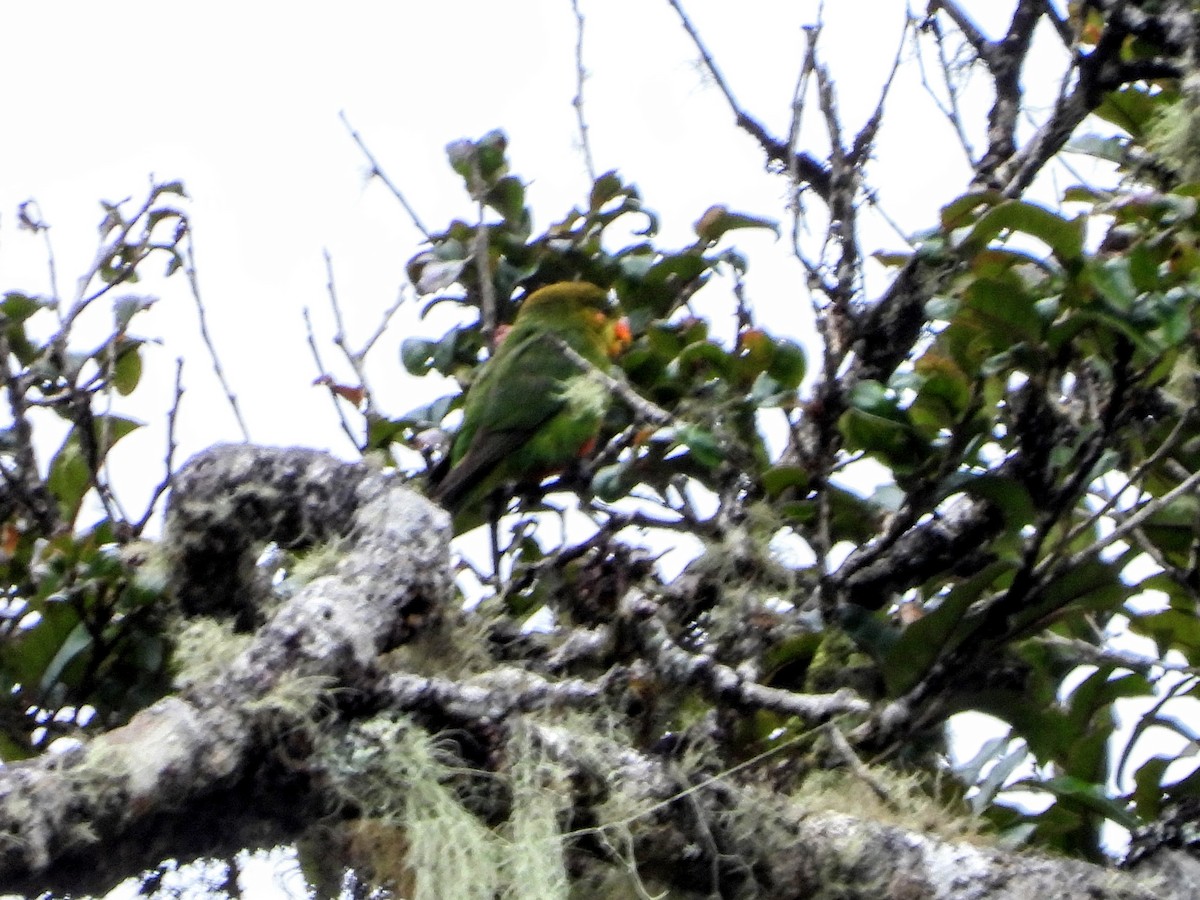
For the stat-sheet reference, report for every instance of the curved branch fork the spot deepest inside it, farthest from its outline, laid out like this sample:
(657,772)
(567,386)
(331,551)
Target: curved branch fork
(178,771)
(390,583)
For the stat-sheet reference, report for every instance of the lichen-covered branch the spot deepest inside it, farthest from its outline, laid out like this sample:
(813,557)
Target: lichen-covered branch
(388,586)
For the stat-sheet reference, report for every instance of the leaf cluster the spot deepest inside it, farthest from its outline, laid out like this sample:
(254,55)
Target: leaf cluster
(1049,401)
(82,622)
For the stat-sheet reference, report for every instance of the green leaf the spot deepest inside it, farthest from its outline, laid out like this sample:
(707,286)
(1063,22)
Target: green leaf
(1063,236)
(788,365)
(926,639)
(483,158)
(71,472)
(851,517)
(430,274)
(607,187)
(875,423)
(943,393)
(718,220)
(1007,494)
(127,368)
(1083,795)
(961,210)
(420,355)
(777,479)
(942,308)
(611,483)
(416,354)
(491,148)
(171,187)
(970,770)
(1109,148)
(1003,311)
(1113,280)
(703,446)
(873,397)
(1171,629)
(1093,585)
(26,656)
(430,415)
(659,290)
(507,197)
(1131,108)
(77,642)
(17,306)
(997,777)
(1148,787)
(766,391)
(891,259)
(1173,528)
(701,358)
(1095,695)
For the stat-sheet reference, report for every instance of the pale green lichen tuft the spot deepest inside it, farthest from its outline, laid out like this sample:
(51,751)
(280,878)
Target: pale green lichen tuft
(1174,137)
(204,649)
(394,772)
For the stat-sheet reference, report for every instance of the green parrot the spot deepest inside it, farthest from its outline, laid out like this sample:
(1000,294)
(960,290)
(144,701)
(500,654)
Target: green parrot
(532,410)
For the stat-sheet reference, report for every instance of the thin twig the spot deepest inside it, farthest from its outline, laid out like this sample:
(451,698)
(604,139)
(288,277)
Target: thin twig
(975,37)
(577,102)
(356,358)
(1185,420)
(843,215)
(864,141)
(340,341)
(37,224)
(1149,718)
(1136,520)
(194,282)
(172,446)
(648,411)
(483,268)
(104,254)
(952,112)
(810,171)
(377,172)
(1086,653)
(796,202)
(384,321)
(857,766)
(709,63)
(323,373)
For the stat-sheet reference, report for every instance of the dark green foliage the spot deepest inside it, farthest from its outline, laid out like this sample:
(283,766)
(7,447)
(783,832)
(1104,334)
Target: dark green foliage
(1049,374)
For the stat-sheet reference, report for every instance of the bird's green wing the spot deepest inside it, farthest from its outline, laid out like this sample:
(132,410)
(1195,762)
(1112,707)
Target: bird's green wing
(519,392)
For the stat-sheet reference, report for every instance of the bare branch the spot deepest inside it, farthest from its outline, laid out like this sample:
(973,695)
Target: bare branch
(809,170)
(169,459)
(29,216)
(325,378)
(377,172)
(951,110)
(577,102)
(201,313)
(724,684)
(975,37)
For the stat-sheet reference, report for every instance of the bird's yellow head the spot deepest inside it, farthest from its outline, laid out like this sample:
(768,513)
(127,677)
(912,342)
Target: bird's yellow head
(579,300)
